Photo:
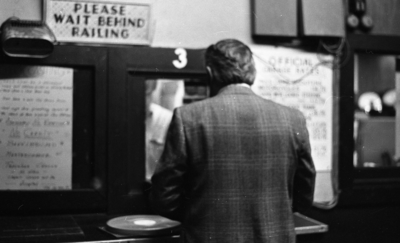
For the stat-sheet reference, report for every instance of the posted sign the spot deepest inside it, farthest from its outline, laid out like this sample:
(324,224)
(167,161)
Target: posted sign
(302,80)
(35,127)
(98,21)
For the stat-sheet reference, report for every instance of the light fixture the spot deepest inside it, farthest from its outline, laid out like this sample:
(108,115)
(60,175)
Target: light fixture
(25,38)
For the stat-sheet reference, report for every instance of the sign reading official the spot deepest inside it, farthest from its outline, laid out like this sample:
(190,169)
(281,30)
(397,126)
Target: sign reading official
(302,80)
(98,22)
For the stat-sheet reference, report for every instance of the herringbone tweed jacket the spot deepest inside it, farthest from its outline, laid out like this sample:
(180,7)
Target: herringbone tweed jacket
(233,168)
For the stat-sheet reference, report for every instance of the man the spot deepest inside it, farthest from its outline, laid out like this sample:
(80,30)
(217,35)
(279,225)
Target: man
(157,122)
(234,165)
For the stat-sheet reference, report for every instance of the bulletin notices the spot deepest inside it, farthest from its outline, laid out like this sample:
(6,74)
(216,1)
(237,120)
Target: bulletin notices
(304,81)
(35,127)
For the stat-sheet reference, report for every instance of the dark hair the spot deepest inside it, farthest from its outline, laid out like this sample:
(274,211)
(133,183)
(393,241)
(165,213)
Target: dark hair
(231,62)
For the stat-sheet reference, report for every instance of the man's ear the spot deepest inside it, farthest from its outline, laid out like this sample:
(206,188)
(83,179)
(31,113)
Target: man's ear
(214,88)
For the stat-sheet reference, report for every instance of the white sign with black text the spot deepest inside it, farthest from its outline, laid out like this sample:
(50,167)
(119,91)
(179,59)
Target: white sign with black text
(35,127)
(99,22)
(302,80)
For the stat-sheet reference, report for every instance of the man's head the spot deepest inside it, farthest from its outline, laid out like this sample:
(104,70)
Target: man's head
(230,62)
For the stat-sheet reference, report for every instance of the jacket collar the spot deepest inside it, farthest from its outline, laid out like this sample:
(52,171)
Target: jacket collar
(236,89)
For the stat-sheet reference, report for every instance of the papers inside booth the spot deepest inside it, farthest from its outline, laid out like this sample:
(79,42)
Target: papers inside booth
(36,127)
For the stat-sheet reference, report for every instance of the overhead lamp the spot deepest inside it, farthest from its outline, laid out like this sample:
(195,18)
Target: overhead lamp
(26,38)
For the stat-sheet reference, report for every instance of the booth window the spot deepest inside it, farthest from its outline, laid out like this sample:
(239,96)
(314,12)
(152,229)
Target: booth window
(162,97)
(52,124)
(376,117)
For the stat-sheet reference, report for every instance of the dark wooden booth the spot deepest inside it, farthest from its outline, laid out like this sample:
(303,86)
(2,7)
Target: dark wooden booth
(109,151)
(108,172)
(368,208)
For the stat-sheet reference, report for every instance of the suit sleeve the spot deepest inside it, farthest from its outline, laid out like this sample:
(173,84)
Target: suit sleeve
(304,177)
(167,191)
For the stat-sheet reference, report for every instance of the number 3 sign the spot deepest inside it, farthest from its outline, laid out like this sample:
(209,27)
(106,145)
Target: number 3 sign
(182,59)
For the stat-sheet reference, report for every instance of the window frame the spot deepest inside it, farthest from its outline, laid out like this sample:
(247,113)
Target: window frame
(362,185)
(129,67)
(85,200)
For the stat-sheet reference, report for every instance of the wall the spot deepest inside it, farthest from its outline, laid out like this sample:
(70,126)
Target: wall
(197,23)
(386,16)
(178,23)
(23,9)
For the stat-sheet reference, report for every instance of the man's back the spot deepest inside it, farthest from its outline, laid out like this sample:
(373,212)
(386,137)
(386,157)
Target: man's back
(233,163)
(241,156)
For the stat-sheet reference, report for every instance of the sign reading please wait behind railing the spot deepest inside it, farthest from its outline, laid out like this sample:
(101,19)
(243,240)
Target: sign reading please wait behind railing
(98,22)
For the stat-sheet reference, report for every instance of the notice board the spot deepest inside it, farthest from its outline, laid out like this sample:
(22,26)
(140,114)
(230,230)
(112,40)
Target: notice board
(302,80)
(99,21)
(35,127)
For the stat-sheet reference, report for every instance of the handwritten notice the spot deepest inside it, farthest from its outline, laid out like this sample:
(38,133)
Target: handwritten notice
(304,81)
(35,127)
(98,21)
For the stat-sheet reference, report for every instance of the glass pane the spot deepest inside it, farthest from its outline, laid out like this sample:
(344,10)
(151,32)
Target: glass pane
(162,97)
(375,115)
(46,128)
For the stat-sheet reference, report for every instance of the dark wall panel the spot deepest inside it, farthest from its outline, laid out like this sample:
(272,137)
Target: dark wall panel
(275,18)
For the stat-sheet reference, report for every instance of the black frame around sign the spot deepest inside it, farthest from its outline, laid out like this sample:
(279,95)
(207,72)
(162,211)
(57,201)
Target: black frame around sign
(89,63)
(118,133)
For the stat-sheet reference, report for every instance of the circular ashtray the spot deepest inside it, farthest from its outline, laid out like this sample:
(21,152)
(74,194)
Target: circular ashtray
(142,225)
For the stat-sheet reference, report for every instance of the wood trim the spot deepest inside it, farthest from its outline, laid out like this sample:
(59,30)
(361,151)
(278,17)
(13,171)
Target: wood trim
(128,68)
(346,119)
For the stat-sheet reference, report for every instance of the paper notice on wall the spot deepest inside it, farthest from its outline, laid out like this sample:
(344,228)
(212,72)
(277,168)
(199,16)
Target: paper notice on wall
(35,127)
(304,81)
(98,21)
